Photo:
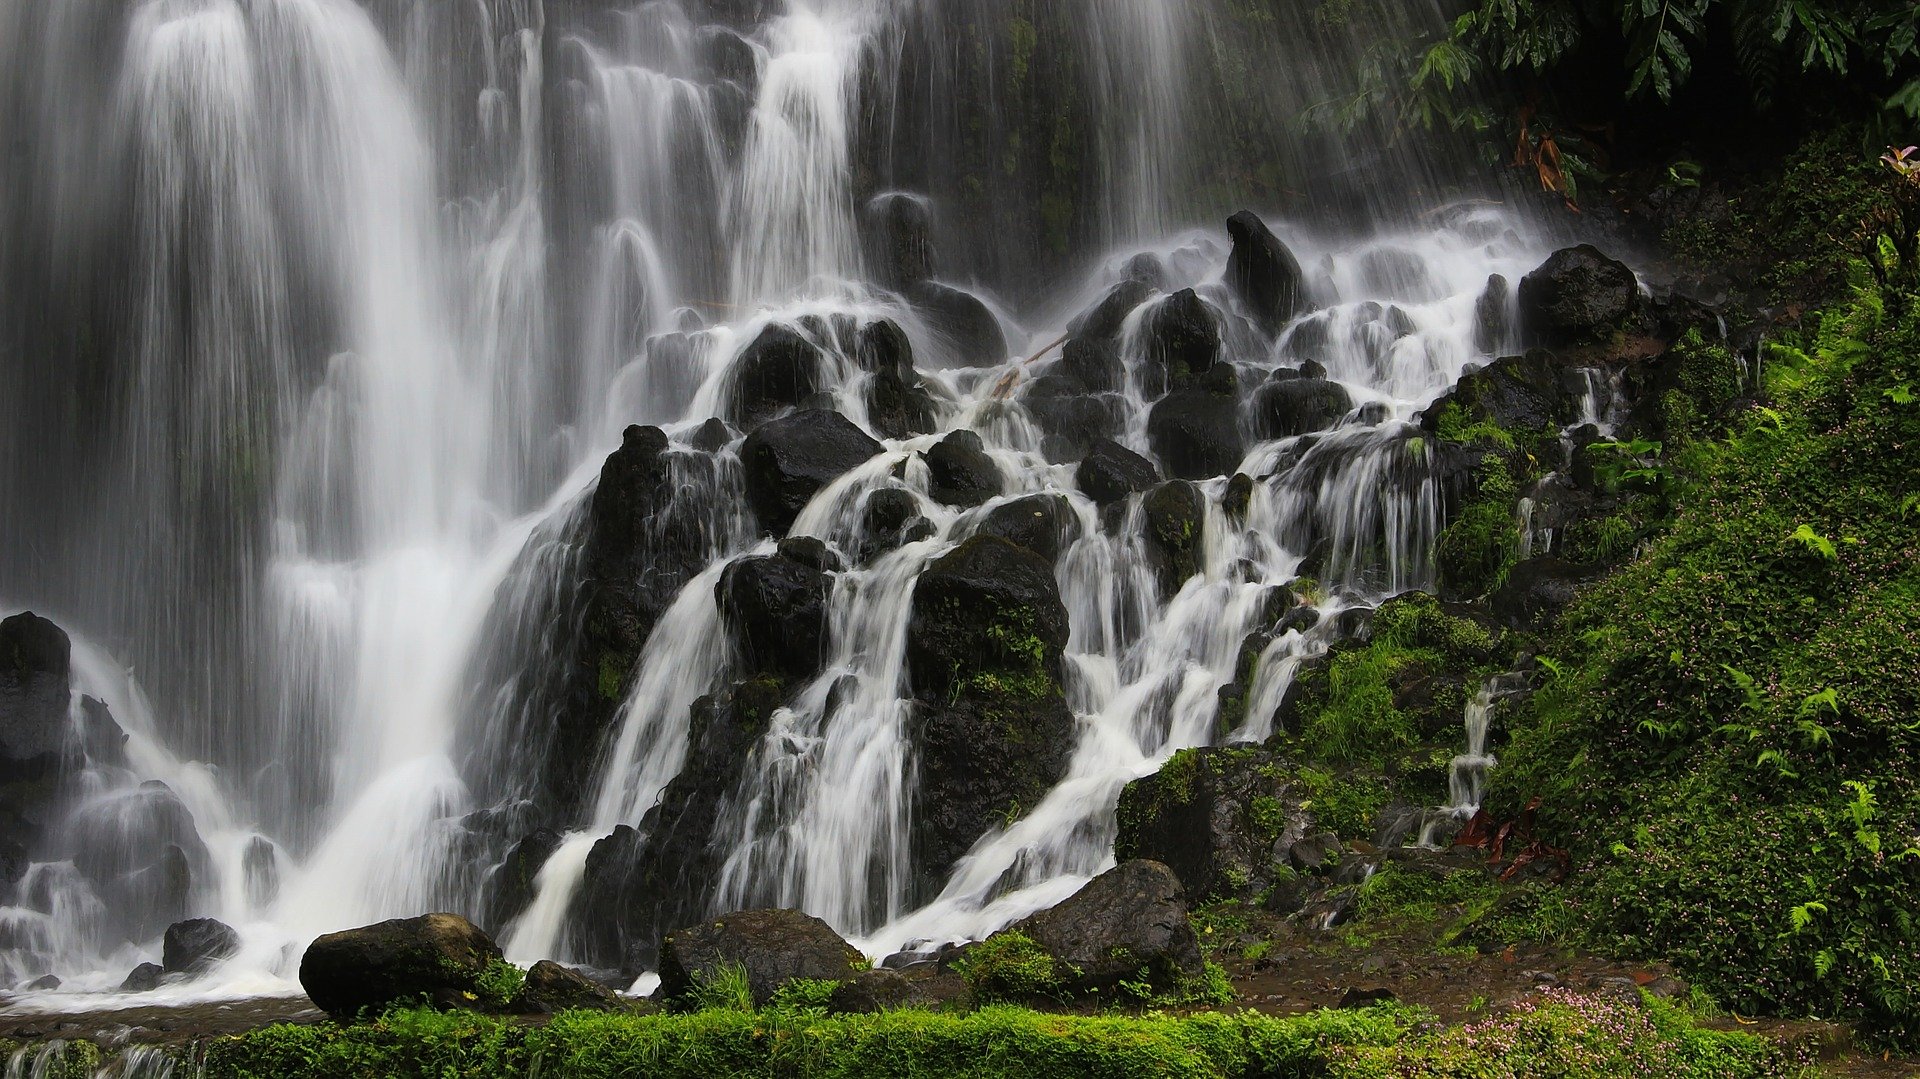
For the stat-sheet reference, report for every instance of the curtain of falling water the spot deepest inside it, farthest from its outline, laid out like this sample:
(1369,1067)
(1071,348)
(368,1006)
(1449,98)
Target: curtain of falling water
(328,311)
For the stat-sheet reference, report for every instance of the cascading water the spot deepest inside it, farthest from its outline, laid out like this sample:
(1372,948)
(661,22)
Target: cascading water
(356,324)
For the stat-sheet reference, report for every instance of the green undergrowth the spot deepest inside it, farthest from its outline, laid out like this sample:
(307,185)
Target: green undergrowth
(1555,1035)
(1729,739)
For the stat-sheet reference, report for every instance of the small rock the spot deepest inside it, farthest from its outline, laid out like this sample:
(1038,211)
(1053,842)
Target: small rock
(144,978)
(1366,997)
(773,947)
(876,991)
(1111,472)
(192,946)
(550,987)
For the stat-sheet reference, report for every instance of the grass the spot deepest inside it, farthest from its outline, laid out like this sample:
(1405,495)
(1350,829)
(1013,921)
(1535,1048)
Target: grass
(1558,1034)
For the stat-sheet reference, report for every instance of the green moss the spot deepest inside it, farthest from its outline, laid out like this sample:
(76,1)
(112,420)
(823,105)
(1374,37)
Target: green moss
(1477,551)
(613,674)
(1345,805)
(1009,966)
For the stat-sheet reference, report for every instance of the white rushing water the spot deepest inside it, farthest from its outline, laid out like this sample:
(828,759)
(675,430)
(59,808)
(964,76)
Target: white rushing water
(386,312)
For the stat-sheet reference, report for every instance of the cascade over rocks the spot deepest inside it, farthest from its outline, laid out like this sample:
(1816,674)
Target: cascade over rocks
(774,947)
(1577,295)
(639,883)
(1043,524)
(962,472)
(1288,407)
(963,321)
(1182,343)
(1222,818)
(193,946)
(1397,274)
(789,460)
(1264,273)
(435,957)
(778,371)
(1196,432)
(1110,472)
(1129,923)
(775,610)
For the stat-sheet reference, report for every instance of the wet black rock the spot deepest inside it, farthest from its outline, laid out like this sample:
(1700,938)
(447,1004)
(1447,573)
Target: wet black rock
(1264,274)
(789,460)
(711,436)
(961,472)
(1104,320)
(35,692)
(1238,497)
(1534,393)
(1094,363)
(196,945)
(1222,818)
(511,887)
(1043,524)
(438,958)
(872,991)
(1299,406)
(1196,433)
(778,371)
(1176,514)
(1128,924)
(102,739)
(1578,294)
(892,518)
(899,238)
(1182,343)
(972,333)
(1493,316)
(144,978)
(551,987)
(986,755)
(985,606)
(899,404)
(1111,472)
(727,55)
(775,611)
(1071,419)
(773,947)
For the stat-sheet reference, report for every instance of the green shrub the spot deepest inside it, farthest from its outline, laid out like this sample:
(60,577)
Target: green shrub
(499,984)
(1009,966)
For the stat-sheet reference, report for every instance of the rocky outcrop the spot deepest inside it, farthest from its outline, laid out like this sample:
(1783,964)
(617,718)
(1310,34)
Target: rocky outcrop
(1128,924)
(1577,295)
(194,946)
(1222,818)
(789,460)
(773,947)
(1110,472)
(1537,590)
(1263,273)
(991,729)
(775,610)
(436,958)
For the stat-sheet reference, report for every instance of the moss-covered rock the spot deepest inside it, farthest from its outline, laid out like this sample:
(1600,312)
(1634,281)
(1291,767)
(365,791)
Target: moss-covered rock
(436,959)
(1221,818)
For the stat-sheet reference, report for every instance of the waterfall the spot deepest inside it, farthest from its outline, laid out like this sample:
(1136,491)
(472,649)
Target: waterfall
(325,314)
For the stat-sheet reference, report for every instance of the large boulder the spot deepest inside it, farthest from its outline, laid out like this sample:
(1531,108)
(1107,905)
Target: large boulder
(1263,273)
(1196,433)
(789,460)
(195,945)
(971,331)
(1223,818)
(1577,295)
(775,610)
(1111,472)
(899,239)
(1128,924)
(1176,515)
(551,987)
(35,694)
(773,947)
(898,402)
(1531,394)
(961,471)
(987,605)
(435,958)
(1284,408)
(1182,342)
(778,371)
(1043,524)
